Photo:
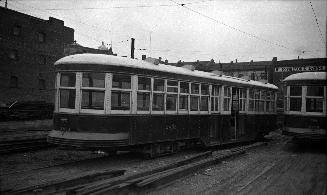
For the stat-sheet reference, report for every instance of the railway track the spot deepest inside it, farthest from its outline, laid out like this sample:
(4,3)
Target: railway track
(22,145)
(124,184)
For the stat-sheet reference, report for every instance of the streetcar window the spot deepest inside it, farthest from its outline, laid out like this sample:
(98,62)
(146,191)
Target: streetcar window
(242,100)
(295,99)
(251,100)
(120,100)
(262,101)
(172,86)
(195,98)
(159,85)
(93,80)
(204,103)
(67,98)
(227,97)
(92,99)
(256,100)
(171,102)
(314,99)
(143,101)
(144,83)
(67,79)
(194,88)
(183,97)
(315,91)
(215,98)
(295,90)
(121,81)
(184,87)
(158,102)
(204,89)
(194,103)
(183,102)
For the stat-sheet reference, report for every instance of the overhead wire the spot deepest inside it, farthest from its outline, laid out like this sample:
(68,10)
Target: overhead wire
(316,19)
(234,28)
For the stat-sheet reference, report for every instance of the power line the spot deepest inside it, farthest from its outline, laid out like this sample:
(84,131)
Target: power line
(233,28)
(82,34)
(314,13)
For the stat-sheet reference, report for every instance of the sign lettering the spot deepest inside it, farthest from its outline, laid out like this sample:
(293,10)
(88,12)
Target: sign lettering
(300,69)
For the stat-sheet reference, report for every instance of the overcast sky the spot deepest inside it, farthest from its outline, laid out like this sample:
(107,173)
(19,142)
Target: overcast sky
(193,30)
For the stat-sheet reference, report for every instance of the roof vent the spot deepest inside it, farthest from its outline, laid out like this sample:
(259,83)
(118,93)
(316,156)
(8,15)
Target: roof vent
(189,67)
(152,60)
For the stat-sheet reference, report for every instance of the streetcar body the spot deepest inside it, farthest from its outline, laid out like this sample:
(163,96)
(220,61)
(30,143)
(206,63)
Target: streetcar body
(305,106)
(113,103)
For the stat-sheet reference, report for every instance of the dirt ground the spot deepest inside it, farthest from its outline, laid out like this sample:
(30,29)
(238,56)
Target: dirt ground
(281,167)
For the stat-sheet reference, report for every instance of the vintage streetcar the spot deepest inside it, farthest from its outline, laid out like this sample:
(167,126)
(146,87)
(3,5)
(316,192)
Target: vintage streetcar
(305,106)
(113,103)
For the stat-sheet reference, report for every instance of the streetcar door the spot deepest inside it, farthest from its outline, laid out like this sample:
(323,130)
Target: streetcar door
(234,113)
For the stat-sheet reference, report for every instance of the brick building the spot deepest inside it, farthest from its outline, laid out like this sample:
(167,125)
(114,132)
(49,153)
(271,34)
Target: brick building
(28,48)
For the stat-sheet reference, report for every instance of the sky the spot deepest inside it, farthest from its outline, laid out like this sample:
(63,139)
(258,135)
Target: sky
(190,30)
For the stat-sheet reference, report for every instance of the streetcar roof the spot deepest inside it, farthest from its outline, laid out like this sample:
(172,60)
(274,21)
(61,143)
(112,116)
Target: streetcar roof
(102,59)
(306,76)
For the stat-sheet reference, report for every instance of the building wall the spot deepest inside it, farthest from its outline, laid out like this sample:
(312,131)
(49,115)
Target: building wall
(28,48)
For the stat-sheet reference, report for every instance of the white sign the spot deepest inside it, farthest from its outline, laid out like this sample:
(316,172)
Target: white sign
(300,69)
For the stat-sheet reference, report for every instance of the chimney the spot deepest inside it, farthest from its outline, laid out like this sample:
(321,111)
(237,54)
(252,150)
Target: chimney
(235,60)
(132,48)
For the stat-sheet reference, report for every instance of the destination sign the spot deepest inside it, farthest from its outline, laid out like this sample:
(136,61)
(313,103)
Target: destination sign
(300,69)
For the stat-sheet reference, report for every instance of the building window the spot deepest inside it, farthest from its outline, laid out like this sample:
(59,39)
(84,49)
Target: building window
(93,89)
(42,85)
(13,55)
(315,98)
(42,59)
(121,92)
(41,37)
(13,82)
(295,98)
(67,90)
(16,31)
(143,93)
(158,94)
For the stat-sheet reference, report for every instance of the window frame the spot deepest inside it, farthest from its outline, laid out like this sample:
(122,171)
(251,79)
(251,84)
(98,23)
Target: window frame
(187,94)
(289,96)
(171,93)
(215,97)
(75,89)
(131,92)
(144,91)
(195,95)
(95,89)
(323,97)
(153,92)
(229,97)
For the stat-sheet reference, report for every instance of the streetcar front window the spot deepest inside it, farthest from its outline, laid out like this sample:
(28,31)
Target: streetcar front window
(171,102)
(93,90)
(93,80)
(67,90)
(227,98)
(215,98)
(92,99)
(67,98)
(295,98)
(315,99)
(158,95)
(67,80)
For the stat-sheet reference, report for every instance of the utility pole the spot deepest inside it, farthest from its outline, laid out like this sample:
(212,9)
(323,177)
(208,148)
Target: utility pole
(132,47)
